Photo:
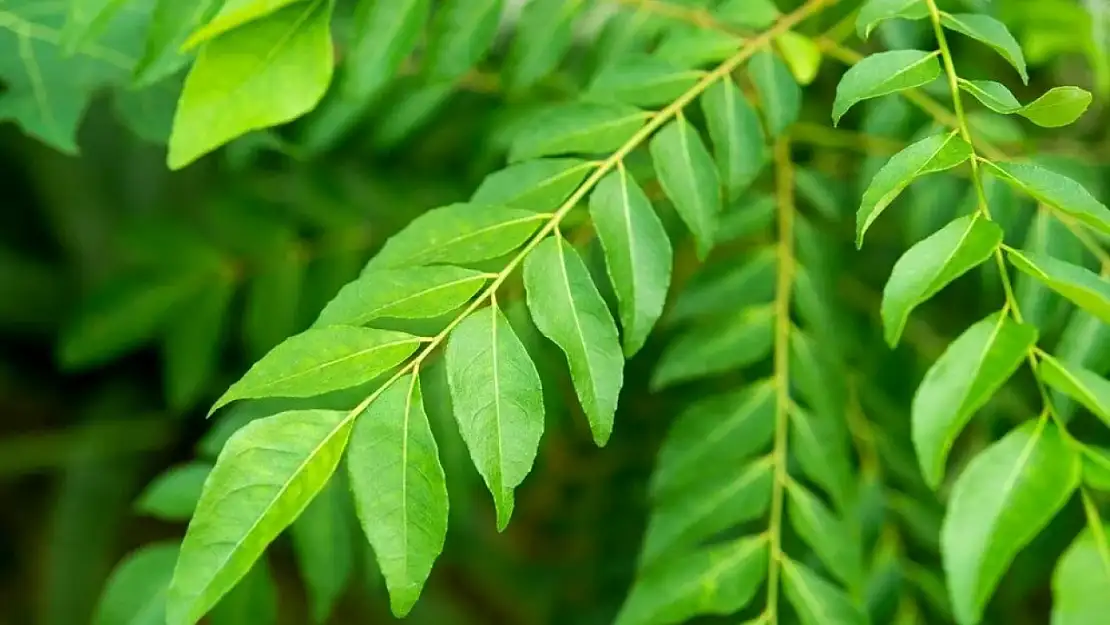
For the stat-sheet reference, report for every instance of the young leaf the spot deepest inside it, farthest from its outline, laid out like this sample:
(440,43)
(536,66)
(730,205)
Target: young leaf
(720,579)
(173,495)
(1082,575)
(637,254)
(229,93)
(991,32)
(320,360)
(884,73)
(738,140)
(544,33)
(874,12)
(744,339)
(689,178)
(930,155)
(802,55)
(1079,284)
(779,95)
(1056,190)
(577,128)
(961,382)
(1057,107)
(400,489)
(1082,385)
(322,543)
(931,264)
(1002,500)
(412,293)
(385,33)
(458,233)
(642,81)
(498,402)
(170,25)
(816,601)
(539,185)
(234,14)
(462,33)
(265,476)
(568,309)
(135,593)
(833,540)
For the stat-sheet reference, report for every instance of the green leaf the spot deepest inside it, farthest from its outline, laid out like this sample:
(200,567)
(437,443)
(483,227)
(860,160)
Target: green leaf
(233,15)
(874,12)
(170,25)
(720,579)
(717,431)
(638,254)
(930,155)
(746,281)
(193,341)
(1057,107)
(1096,467)
(689,178)
(753,14)
(1056,190)
(320,360)
(833,540)
(933,263)
(135,593)
(400,489)
(543,36)
(264,478)
(85,22)
(739,143)
(539,185)
(461,34)
(1079,284)
(816,601)
(568,309)
(823,458)
(961,382)
(413,293)
(1083,385)
(642,81)
(779,94)
(990,31)
(734,342)
(690,45)
(498,402)
(802,56)
(882,74)
(385,33)
(1003,499)
(458,233)
(579,128)
(1081,578)
(264,73)
(173,495)
(322,543)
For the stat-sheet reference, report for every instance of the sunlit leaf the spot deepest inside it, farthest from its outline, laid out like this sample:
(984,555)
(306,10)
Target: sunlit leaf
(409,293)
(884,73)
(1057,107)
(580,128)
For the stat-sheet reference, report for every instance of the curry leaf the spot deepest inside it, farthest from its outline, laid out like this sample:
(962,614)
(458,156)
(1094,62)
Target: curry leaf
(412,293)
(1083,385)
(1056,190)
(578,128)
(536,185)
(1079,284)
(739,143)
(991,32)
(689,178)
(884,73)
(1057,107)
(779,94)
(874,12)
(1080,579)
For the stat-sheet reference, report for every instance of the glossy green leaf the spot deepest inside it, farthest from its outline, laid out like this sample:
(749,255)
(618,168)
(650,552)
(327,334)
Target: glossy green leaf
(539,185)
(579,128)
(498,402)
(461,34)
(412,293)
(802,56)
(543,36)
(816,601)
(170,25)
(1003,499)
(930,155)
(689,178)
(933,263)
(736,342)
(780,97)
(193,341)
(833,540)
(961,382)
(228,93)
(400,489)
(234,14)
(458,233)
(173,495)
(1081,578)
(265,476)
(320,360)
(874,12)
(720,579)
(1082,385)
(1056,190)
(1057,107)
(1080,285)
(385,34)
(322,541)
(991,32)
(739,143)
(567,308)
(135,593)
(642,81)
(638,254)
(884,73)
